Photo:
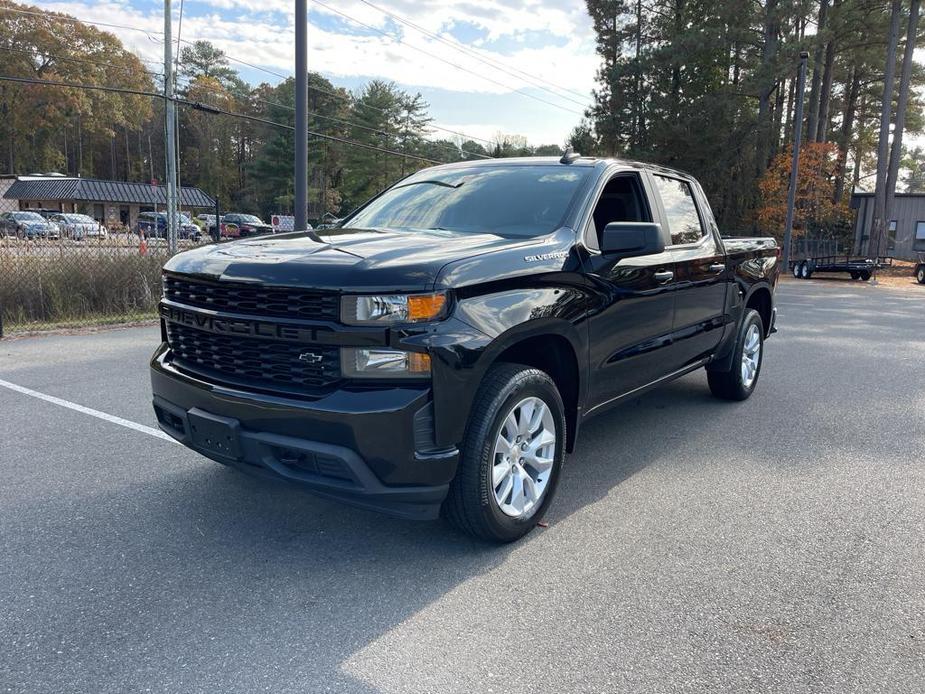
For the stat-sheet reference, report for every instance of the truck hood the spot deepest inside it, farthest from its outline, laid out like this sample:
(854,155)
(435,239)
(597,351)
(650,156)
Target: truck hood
(349,259)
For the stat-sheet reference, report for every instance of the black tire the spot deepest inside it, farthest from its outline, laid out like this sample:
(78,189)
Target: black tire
(855,275)
(805,271)
(730,385)
(865,275)
(470,504)
(797,270)
(920,274)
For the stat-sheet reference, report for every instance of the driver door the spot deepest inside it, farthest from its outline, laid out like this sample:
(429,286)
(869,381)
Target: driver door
(630,327)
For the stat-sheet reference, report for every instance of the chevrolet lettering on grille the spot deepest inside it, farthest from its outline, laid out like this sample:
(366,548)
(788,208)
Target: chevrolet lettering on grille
(237,326)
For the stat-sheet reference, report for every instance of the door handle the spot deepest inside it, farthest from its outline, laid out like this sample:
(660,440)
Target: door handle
(664,276)
(717,267)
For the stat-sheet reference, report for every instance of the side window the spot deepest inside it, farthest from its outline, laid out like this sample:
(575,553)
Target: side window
(680,210)
(620,201)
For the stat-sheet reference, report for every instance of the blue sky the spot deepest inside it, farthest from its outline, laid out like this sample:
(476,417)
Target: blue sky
(545,47)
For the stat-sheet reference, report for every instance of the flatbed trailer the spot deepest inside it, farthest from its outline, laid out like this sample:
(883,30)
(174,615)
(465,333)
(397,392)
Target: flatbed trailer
(859,268)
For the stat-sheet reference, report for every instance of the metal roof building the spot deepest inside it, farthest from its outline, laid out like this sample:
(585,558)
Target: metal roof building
(109,202)
(905,230)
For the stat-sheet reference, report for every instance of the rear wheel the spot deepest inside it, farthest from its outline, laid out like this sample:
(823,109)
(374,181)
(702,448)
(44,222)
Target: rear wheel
(798,270)
(855,275)
(920,274)
(739,382)
(511,455)
(805,271)
(865,275)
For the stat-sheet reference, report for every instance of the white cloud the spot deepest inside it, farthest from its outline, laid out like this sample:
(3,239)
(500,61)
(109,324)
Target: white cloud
(261,32)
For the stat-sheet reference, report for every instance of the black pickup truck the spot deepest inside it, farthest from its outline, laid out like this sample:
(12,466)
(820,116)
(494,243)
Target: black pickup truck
(439,350)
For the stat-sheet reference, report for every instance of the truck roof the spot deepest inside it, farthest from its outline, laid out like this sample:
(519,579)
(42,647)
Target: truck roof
(556,161)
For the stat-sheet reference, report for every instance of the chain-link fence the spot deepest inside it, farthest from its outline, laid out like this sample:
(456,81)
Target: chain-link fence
(64,270)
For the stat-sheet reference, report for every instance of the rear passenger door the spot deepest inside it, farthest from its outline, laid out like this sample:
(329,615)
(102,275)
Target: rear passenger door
(699,264)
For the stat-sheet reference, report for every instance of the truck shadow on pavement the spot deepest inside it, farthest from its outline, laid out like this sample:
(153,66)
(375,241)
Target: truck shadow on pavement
(208,579)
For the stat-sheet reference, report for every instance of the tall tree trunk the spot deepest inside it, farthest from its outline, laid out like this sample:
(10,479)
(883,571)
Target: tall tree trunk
(778,118)
(813,115)
(900,124)
(825,91)
(768,60)
(846,133)
(883,144)
(791,104)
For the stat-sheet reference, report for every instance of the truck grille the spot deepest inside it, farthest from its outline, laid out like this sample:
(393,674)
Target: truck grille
(261,363)
(239,297)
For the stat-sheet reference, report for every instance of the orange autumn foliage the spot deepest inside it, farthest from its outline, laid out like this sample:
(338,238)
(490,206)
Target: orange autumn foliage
(815,209)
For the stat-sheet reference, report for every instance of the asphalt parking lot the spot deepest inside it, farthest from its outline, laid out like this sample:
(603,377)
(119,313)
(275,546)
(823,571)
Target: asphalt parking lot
(774,545)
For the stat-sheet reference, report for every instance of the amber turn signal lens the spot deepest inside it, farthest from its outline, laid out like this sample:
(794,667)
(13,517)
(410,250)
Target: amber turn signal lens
(418,363)
(425,306)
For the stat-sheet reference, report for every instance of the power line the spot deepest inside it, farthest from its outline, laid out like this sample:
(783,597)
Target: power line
(354,124)
(65,18)
(266,121)
(150,34)
(445,61)
(213,109)
(36,54)
(491,62)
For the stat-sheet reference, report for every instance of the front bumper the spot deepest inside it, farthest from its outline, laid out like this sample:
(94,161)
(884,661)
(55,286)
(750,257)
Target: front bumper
(371,448)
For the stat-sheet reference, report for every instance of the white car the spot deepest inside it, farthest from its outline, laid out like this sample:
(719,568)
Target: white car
(79,226)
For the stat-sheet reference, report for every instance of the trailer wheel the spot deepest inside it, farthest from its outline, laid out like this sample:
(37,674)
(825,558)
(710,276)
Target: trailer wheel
(865,275)
(805,271)
(920,274)
(798,270)
(855,275)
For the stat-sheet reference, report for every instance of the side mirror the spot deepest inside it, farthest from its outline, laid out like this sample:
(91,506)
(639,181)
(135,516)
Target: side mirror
(630,239)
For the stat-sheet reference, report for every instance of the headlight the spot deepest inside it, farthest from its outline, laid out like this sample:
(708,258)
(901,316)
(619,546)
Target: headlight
(392,308)
(383,363)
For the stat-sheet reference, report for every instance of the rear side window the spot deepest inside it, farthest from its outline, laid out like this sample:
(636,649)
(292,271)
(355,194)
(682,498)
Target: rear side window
(680,210)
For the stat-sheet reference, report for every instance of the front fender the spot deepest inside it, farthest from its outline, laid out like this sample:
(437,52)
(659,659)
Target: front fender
(481,329)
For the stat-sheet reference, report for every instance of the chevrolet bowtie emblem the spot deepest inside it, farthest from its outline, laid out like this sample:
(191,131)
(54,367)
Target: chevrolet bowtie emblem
(310,357)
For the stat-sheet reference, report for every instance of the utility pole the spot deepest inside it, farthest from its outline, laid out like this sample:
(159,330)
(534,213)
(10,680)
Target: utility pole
(795,164)
(300,223)
(170,141)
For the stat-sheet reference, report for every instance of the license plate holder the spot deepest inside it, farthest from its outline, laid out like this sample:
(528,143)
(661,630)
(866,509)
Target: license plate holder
(214,434)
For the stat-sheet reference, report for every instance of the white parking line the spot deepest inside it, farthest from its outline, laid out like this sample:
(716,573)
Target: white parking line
(150,431)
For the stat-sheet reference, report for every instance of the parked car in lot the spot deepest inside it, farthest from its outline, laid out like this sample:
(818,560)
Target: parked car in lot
(27,225)
(154,225)
(78,226)
(237,225)
(440,350)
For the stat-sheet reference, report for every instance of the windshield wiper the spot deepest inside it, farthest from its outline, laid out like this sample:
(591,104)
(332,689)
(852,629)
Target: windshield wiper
(432,182)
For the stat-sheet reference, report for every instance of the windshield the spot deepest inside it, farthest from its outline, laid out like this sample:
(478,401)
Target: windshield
(28,216)
(78,219)
(505,200)
(250,219)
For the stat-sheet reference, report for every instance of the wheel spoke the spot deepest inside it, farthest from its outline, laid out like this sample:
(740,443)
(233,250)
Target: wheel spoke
(517,493)
(503,446)
(530,492)
(526,416)
(502,494)
(499,472)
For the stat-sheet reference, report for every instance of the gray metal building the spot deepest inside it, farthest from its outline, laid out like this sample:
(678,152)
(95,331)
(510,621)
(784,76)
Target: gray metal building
(905,231)
(112,203)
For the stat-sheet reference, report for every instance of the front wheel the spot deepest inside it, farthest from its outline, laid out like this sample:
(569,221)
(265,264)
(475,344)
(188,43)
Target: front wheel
(511,455)
(739,382)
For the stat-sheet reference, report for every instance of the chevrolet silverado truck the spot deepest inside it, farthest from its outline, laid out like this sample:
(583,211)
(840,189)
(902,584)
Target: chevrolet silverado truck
(438,351)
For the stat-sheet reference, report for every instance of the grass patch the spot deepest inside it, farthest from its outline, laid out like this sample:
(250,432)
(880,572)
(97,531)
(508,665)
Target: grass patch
(39,291)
